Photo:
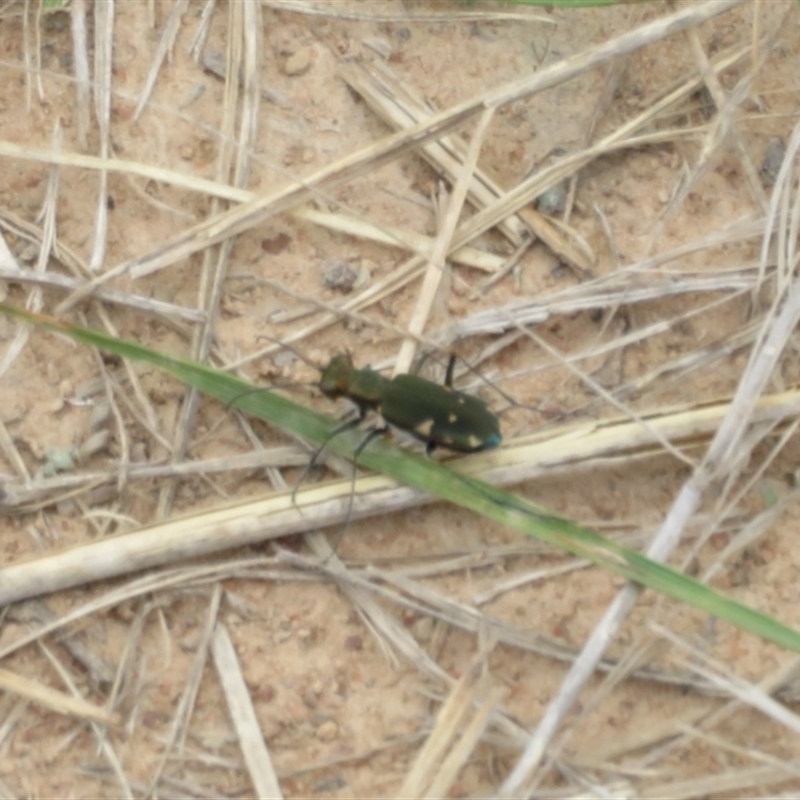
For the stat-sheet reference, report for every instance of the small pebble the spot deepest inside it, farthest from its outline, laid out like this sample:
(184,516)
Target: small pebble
(264,693)
(299,63)
(328,731)
(338,276)
(553,201)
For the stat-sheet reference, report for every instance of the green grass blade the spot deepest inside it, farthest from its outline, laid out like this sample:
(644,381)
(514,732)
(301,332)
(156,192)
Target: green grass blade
(572,3)
(435,478)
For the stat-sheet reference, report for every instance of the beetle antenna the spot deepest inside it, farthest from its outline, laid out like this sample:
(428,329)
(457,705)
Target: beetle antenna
(256,389)
(473,369)
(346,425)
(291,349)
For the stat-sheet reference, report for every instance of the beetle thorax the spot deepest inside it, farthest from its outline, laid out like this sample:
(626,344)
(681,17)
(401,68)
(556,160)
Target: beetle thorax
(336,377)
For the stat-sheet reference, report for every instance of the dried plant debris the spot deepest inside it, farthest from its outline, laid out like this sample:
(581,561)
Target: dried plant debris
(592,210)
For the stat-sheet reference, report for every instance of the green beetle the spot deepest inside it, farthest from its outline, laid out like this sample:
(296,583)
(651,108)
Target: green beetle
(435,414)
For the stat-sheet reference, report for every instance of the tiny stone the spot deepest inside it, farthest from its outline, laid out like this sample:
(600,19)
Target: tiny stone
(553,201)
(186,152)
(299,63)
(338,276)
(328,731)
(264,693)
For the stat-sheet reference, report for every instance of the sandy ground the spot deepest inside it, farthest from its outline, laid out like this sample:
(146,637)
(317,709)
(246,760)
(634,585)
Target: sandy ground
(341,716)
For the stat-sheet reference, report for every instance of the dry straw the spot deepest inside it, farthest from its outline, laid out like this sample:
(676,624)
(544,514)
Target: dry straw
(714,439)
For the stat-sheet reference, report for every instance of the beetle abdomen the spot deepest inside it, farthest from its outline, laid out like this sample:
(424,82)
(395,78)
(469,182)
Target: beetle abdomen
(438,415)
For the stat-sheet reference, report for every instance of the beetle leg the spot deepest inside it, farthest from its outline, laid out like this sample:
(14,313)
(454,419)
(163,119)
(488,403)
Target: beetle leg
(351,423)
(448,378)
(378,430)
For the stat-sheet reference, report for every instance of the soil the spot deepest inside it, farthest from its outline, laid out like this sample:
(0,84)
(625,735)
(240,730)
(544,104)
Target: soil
(340,716)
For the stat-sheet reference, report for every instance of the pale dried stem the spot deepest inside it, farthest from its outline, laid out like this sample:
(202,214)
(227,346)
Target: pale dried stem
(387,234)
(233,163)
(726,453)
(437,763)
(103,69)
(435,270)
(54,700)
(254,521)
(399,106)
(405,16)
(39,613)
(165,45)
(566,167)
(48,214)
(393,637)
(80,60)
(725,679)
(749,781)
(26,494)
(240,707)
(54,280)
(98,728)
(183,712)
(249,214)
(711,80)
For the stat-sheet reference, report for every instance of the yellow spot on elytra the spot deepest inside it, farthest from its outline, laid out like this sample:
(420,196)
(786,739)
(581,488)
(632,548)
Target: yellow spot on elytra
(424,428)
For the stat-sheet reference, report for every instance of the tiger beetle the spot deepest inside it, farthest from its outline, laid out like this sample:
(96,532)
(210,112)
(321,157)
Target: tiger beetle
(436,414)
